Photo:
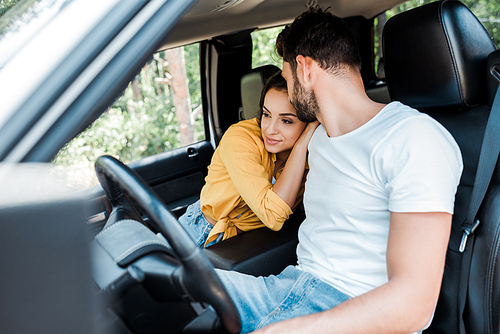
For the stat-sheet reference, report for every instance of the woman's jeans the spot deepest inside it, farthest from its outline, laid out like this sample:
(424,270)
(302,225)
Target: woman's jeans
(198,228)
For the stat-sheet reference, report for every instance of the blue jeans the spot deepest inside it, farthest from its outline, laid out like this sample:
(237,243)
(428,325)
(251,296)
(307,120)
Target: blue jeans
(198,228)
(262,301)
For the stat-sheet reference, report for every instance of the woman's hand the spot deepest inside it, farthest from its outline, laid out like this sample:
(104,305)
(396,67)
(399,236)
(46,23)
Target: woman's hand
(288,184)
(306,135)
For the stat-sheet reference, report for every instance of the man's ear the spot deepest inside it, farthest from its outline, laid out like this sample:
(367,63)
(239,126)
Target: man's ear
(305,68)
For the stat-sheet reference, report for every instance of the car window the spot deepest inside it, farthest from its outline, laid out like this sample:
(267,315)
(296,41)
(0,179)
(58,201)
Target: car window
(264,47)
(159,111)
(14,28)
(488,12)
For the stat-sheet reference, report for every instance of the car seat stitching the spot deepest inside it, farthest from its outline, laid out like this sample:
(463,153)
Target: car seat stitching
(448,44)
(136,247)
(113,226)
(489,291)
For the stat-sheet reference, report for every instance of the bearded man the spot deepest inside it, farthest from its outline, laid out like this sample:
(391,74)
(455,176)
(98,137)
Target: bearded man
(379,200)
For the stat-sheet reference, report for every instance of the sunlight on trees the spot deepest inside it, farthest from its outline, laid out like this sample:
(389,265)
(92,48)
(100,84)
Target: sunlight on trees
(145,120)
(264,51)
(141,122)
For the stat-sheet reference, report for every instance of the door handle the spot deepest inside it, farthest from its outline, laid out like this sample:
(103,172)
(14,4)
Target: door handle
(192,152)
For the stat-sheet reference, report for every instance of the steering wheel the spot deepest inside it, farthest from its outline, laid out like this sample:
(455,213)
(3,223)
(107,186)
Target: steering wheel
(116,179)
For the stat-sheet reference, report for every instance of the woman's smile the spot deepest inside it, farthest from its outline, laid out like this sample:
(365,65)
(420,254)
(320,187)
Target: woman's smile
(271,141)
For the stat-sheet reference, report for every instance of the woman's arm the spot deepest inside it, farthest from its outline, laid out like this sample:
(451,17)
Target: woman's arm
(241,155)
(288,184)
(242,159)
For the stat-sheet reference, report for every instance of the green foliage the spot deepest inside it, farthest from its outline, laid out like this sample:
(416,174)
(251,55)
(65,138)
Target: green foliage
(192,56)
(141,122)
(488,13)
(406,6)
(10,13)
(264,51)
(6,5)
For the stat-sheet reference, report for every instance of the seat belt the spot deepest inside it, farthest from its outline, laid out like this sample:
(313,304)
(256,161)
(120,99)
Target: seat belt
(488,157)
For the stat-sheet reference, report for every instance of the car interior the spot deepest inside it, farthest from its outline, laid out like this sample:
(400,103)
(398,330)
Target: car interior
(437,58)
(459,99)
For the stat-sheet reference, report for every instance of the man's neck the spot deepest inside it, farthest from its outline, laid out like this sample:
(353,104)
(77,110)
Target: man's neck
(344,105)
(340,121)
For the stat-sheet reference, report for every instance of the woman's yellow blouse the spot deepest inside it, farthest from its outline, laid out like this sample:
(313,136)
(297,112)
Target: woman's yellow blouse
(238,191)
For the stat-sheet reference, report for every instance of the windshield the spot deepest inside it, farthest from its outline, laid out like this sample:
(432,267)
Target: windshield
(37,36)
(23,21)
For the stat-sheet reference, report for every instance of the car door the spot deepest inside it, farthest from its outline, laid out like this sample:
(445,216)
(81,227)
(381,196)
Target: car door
(86,52)
(159,126)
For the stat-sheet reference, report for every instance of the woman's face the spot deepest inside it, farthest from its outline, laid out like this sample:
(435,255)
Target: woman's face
(280,126)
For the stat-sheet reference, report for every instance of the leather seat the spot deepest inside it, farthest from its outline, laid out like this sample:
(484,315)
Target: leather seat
(251,88)
(436,61)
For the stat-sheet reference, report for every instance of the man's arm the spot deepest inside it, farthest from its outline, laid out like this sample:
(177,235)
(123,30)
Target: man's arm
(416,253)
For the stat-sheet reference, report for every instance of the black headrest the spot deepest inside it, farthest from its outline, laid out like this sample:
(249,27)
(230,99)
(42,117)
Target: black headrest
(251,87)
(435,56)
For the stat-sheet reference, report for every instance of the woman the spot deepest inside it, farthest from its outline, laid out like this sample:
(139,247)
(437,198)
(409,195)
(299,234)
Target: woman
(257,173)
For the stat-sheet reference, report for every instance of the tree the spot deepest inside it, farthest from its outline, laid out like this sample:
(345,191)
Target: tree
(6,5)
(144,120)
(264,50)
(177,81)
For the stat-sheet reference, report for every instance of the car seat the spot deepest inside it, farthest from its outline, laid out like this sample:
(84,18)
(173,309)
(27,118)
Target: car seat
(377,89)
(436,61)
(251,86)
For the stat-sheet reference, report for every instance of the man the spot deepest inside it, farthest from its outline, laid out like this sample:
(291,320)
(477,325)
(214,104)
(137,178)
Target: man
(379,200)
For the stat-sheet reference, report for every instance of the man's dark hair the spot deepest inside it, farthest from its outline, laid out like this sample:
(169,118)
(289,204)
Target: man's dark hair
(275,82)
(322,36)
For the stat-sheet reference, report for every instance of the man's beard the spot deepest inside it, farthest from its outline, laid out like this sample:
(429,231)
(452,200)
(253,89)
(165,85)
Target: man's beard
(304,102)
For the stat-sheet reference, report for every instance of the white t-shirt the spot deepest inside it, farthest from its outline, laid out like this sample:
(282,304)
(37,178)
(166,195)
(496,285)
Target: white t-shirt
(400,161)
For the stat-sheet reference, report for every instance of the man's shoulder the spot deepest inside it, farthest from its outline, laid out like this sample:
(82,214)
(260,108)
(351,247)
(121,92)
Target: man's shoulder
(401,119)
(411,133)
(399,113)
